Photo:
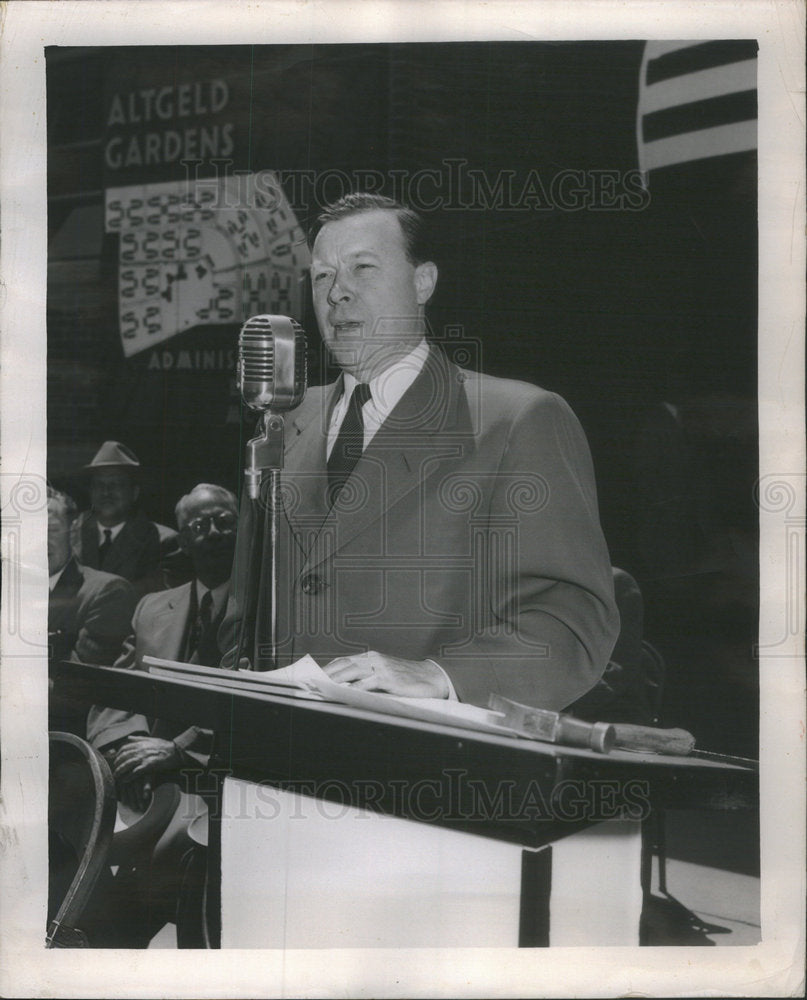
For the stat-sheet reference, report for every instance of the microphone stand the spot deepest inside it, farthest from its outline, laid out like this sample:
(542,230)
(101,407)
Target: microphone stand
(264,454)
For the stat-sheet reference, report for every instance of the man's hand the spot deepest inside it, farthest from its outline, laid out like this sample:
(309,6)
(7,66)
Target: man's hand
(376,672)
(144,755)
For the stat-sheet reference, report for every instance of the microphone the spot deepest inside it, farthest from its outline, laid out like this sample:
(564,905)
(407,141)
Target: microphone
(272,374)
(272,371)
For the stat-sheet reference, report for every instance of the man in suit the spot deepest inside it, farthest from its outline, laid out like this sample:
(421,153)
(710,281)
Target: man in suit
(440,535)
(88,611)
(177,624)
(115,535)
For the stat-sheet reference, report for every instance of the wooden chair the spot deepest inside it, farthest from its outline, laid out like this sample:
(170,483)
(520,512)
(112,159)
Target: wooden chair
(81,820)
(134,841)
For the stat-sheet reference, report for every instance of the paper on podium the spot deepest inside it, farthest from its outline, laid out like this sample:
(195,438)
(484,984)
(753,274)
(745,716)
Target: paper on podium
(305,679)
(295,681)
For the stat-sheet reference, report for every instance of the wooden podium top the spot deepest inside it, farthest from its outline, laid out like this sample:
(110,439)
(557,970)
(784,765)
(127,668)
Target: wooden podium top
(498,786)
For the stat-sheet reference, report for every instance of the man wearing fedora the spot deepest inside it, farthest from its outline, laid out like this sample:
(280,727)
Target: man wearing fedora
(115,535)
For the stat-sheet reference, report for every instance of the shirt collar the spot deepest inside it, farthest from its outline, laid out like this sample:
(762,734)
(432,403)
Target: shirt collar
(388,387)
(219,595)
(115,530)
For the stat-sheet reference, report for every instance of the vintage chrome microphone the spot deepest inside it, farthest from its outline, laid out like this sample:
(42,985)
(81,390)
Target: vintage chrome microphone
(272,377)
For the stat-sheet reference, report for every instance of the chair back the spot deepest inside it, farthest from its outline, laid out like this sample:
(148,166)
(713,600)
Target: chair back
(631,688)
(81,815)
(654,669)
(137,833)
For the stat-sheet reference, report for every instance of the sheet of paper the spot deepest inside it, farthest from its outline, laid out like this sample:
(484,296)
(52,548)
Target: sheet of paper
(305,676)
(291,683)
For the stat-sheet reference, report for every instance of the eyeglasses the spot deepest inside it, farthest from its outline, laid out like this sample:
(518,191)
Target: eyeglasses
(224,521)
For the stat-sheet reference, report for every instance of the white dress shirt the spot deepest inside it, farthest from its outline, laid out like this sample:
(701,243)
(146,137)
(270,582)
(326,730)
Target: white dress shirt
(386,390)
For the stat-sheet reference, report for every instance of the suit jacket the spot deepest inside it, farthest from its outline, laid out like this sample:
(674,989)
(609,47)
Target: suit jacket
(467,533)
(623,692)
(88,619)
(134,553)
(160,627)
(89,613)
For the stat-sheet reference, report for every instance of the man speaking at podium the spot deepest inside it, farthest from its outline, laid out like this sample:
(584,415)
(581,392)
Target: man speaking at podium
(440,534)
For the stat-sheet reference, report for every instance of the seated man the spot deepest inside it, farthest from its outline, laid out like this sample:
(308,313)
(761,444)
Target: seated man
(88,611)
(115,535)
(177,624)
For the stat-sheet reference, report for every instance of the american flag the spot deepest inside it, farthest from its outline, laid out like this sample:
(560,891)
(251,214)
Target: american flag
(696,100)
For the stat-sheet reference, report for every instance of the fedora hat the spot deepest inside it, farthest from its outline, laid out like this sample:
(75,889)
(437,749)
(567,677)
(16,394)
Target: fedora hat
(113,453)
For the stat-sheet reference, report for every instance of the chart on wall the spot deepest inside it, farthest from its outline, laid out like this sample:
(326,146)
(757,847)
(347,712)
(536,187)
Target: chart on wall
(197,253)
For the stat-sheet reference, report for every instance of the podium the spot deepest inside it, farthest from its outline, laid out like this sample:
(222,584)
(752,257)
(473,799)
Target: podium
(335,876)
(335,827)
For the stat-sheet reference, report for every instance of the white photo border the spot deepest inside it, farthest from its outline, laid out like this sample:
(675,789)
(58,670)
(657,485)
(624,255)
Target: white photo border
(773,968)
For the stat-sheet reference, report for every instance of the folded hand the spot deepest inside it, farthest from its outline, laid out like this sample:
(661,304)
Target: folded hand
(141,755)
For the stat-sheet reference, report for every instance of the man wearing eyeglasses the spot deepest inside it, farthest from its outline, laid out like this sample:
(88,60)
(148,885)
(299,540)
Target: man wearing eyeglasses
(177,624)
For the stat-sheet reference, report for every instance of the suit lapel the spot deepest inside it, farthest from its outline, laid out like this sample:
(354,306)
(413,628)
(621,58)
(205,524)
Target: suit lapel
(423,431)
(89,542)
(60,602)
(170,625)
(121,549)
(305,474)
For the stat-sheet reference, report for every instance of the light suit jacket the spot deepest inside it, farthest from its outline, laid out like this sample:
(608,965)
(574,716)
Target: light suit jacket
(468,533)
(159,627)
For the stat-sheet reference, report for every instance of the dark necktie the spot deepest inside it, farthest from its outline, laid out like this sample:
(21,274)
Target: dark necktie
(200,635)
(348,446)
(104,547)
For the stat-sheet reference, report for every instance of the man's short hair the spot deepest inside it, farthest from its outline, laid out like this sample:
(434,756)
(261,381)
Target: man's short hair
(68,503)
(411,222)
(225,495)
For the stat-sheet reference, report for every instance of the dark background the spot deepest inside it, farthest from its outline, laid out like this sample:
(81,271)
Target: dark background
(621,311)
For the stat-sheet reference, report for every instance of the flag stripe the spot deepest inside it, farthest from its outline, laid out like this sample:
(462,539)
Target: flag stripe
(699,115)
(737,138)
(658,48)
(698,86)
(694,58)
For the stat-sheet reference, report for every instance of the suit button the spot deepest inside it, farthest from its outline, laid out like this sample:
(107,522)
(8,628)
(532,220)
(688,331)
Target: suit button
(311,584)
